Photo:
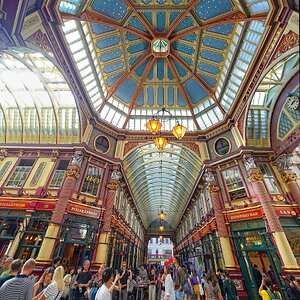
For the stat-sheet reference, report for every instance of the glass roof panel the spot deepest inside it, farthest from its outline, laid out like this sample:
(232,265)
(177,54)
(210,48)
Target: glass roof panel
(162,180)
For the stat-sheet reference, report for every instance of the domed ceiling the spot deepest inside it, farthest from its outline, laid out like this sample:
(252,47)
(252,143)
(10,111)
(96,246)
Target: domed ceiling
(138,56)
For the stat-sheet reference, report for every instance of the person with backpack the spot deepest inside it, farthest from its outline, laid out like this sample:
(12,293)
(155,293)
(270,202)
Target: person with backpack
(291,288)
(197,287)
(269,293)
(230,292)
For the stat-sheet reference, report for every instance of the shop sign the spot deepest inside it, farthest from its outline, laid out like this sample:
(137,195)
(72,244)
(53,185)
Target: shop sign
(286,211)
(84,211)
(45,206)
(14,205)
(254,214)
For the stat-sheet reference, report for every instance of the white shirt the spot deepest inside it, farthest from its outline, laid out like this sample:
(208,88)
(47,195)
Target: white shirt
(169,288)
(52,292)
(103,293)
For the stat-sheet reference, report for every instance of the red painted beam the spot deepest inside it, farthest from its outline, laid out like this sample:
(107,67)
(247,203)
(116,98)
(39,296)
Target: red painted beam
(181,17)
(200,81)
(115,86)
(232,18)
(138,89)
(183,92)
(88,16)
(143,21)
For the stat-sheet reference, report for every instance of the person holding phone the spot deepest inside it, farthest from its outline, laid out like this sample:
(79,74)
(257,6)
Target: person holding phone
(269,293)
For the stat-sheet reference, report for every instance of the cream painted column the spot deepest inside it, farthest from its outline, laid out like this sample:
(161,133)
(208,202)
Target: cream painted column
(257,180)
(103,241)
(214,191)
(15,243)
(52,233)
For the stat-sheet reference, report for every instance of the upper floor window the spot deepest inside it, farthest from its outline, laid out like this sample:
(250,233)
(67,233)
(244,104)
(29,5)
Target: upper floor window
(92,181)
(296,169)
(268,178)
(59,173)
(234,183)
(20,173)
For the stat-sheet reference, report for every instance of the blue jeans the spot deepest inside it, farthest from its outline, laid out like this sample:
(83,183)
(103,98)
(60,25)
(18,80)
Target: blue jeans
(179,295)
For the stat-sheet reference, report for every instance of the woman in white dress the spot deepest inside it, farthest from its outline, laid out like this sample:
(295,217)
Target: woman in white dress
(169,285)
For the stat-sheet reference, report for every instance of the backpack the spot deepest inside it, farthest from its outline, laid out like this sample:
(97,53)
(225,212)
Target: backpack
(272,296)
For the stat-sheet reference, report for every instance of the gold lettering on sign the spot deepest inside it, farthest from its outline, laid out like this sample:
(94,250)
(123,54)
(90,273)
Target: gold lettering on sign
(92,179)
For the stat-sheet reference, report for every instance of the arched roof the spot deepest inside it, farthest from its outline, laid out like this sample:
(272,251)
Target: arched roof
(264,99)
(161,180)
(136,57)
(36,104)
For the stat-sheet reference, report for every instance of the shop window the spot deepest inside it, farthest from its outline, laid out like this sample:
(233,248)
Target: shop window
(33,235)
(92,181)
(295,168)
(9,227)
(20,173)
(234,184)
(4,169)
(292,234)
(59,174)
(268,178)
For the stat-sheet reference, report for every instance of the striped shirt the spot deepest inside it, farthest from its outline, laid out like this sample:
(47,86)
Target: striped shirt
(18,288)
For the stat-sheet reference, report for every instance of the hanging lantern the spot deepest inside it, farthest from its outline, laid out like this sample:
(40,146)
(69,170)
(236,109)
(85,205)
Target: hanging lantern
(160,142)
(161,237)
(154,125)
(179,131)
(162,215)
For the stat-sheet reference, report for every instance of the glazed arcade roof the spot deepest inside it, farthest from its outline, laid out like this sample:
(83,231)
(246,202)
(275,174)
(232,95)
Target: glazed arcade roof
(136,57)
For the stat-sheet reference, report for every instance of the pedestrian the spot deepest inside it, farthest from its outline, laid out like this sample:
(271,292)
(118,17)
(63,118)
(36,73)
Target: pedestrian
(187,286)
(105,291)
(178,275)
(5,270)
(83,281)
(55,263)
(292,288)
(96,282)
(220,273)
(257,276)
(15,268)
(196,286)
(20,287)
(43,282)
(73,283)
(169,285)
(229,287)
(152,285)
(68,281)
(269,293)
(211,287)
(55,289)
(125,275)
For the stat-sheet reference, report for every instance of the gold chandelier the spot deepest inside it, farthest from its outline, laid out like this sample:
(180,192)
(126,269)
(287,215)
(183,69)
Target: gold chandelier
(155,124)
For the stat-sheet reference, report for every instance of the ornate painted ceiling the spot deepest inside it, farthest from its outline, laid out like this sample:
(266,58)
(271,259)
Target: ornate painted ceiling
(136,57)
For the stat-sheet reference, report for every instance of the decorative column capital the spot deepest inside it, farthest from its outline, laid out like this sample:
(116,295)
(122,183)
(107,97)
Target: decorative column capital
(112,186)
(288,176)
(73,172)
(213,188)
(254,177)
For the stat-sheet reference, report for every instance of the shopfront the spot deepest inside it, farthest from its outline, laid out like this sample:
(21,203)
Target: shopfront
(254,246)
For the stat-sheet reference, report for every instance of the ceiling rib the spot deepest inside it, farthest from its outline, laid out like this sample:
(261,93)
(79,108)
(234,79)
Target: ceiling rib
(181,17)
(200,81)
(143,21)
(183,92)
(89,16)
(232,18)
(138,89)
(115,86)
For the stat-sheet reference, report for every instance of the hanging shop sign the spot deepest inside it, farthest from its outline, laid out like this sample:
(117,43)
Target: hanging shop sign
(245,215)
(84,210)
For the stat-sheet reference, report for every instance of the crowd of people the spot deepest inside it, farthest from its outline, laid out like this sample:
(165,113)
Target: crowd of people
(169,282)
